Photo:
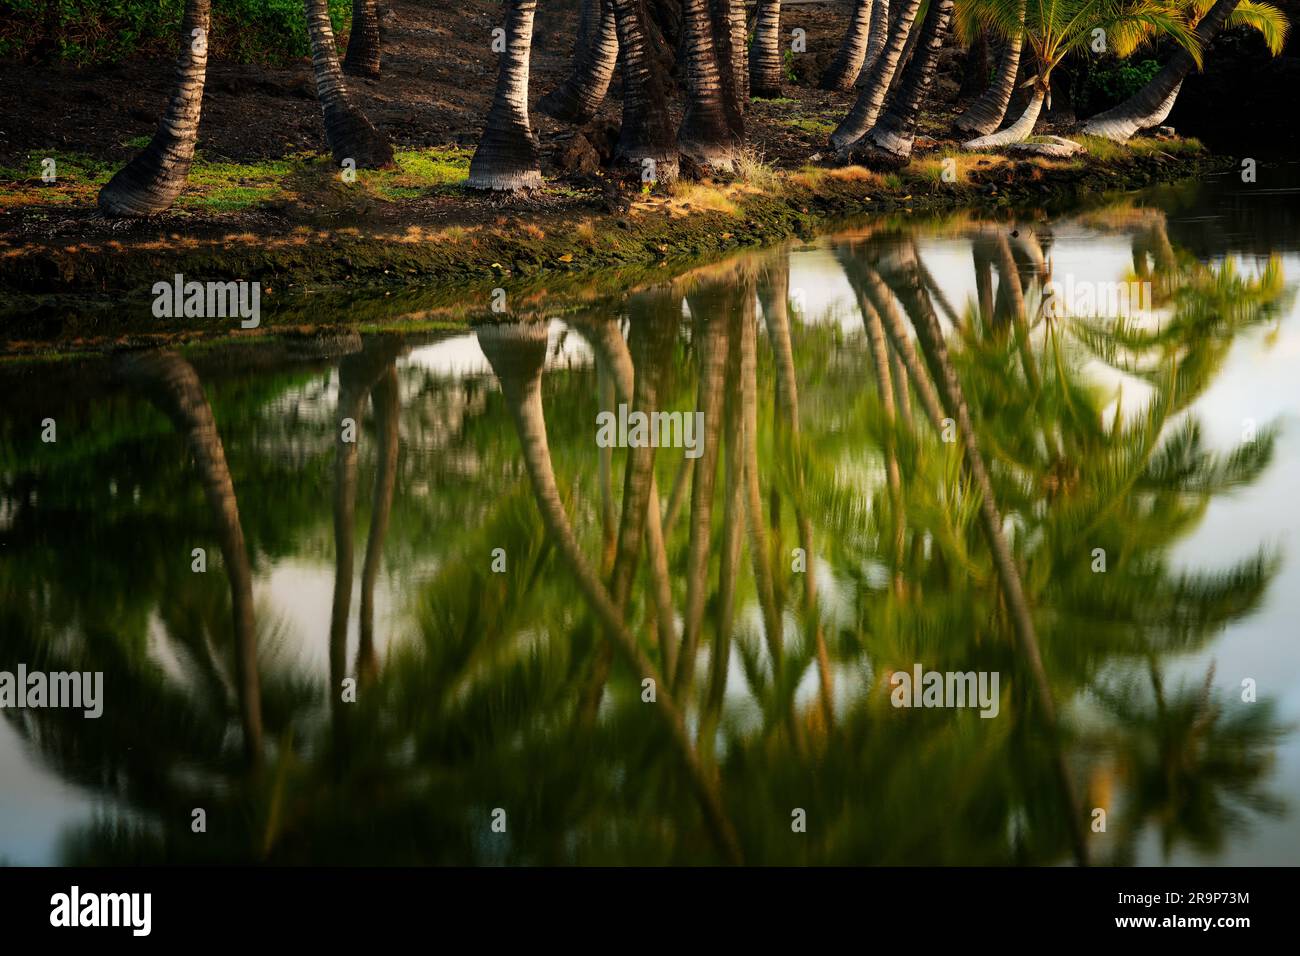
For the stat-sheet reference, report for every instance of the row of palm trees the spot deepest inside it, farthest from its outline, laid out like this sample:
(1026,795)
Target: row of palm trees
(885,55)
(985,544)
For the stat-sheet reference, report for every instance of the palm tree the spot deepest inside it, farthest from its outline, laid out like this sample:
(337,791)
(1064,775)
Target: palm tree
(645,140)
(847,65)
(150,182)
(517,353)
(732,43)
(1150,105)
(507,158)
(872,95)
(577,99)
(765,62)
(175,387)
(986,112)
(350,135)
(362,58)
(711,124)
(1054,30)
(889,142)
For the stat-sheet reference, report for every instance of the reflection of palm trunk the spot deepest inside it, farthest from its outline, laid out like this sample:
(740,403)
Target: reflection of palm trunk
(385,400)
(759,555)
(879,349)
(351,399)
(608,513)
(517,354)
(608,344)
(179,393)
(909,287)
(773,295)
(713,307)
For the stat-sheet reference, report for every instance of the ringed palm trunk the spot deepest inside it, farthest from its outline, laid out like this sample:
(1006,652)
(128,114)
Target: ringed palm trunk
(872,96)
(517,353)
(507,158)
(150,182)
(733,51)
(706,135)
(577,99)
(176,389)
(1020,130)
(888,143)
(362,58)
(986,113)
(645,140)
(765,57)
(1151,105)
(878,37)
(350,135)
(384,398)
(849,58)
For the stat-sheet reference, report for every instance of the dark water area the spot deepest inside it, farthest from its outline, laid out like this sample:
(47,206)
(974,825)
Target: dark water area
(427,598)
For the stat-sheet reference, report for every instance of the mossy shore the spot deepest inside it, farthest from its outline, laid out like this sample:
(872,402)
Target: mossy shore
(380,268)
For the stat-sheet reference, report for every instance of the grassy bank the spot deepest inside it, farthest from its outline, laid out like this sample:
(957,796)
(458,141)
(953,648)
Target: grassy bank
(413,244)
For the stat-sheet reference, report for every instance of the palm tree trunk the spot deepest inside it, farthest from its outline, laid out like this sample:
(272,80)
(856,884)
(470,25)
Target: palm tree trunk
(362,58)
(384,398)
(867,106)
(888,143)
(847,65)
(732,42)
(507,158)
(577,99)
(176,389)
(706,135)
(1017,132)
(986,113)
(350,135)
(150,182)
(765,58)
(645,140)
(1151,105)
(517,353)
(878,36)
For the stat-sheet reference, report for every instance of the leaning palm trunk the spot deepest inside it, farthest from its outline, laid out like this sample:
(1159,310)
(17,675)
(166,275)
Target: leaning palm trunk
(1150,106)
(517,353)
(507,157)
(889,143)
(384,399)
(645,140)
(706,135)
(350,135)
(577,99)
(1017,132)
(176,389)
(878,37)
(362,58)
(150,182)
(986,113)
(847,65)
(765,57)
(872,96)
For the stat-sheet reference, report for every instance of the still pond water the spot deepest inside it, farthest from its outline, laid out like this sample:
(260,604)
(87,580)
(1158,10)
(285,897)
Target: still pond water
(434,643)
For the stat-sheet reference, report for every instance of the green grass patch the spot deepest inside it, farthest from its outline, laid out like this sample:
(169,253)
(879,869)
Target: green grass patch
(420,173)
(809,124)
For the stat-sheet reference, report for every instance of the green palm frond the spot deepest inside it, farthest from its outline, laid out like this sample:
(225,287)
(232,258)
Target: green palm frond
(1265,19)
